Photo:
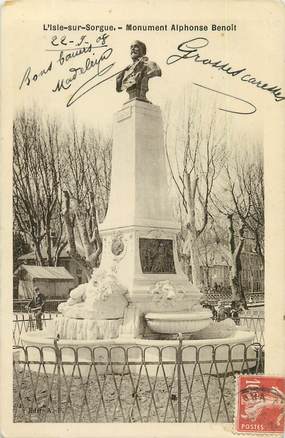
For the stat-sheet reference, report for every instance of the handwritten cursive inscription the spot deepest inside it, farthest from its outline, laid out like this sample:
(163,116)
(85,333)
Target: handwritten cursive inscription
(31,77)
(90,84)
(69,50)
(90,63)
(250,108)
(96,58)
(190,50)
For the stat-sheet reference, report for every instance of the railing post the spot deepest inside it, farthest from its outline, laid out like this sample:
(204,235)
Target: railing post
(179,362)
(31,323)
(58,365)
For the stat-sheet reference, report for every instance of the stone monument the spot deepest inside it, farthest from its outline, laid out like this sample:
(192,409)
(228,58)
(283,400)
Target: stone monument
(139,271)
(139,295)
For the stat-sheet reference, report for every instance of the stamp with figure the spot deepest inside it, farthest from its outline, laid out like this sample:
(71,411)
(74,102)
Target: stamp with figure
(260,404)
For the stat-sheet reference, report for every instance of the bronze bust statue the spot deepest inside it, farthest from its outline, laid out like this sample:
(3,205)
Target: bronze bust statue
(134,78)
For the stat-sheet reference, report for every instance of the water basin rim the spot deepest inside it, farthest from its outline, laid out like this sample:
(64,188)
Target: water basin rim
(90,319)
(178,316)
(43,339)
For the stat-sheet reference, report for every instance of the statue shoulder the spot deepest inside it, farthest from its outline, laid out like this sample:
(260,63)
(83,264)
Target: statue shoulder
(153,65)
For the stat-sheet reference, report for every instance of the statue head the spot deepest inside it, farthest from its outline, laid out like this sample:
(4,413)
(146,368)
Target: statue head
(138,49)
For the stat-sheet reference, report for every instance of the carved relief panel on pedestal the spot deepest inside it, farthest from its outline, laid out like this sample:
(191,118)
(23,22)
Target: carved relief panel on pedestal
(156,256)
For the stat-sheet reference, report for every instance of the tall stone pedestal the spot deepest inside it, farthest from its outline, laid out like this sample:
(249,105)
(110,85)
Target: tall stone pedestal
(139,231)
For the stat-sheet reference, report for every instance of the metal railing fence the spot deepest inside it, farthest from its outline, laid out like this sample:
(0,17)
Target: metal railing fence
(50,304)
(130,384)
(26,322)
(254,324)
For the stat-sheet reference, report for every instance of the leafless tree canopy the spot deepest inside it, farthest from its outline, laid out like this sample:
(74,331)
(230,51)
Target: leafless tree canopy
(219,182)
(199,155)
(37,182)
(60,173)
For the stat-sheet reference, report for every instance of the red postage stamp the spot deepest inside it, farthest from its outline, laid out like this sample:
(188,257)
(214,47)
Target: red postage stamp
(260,404)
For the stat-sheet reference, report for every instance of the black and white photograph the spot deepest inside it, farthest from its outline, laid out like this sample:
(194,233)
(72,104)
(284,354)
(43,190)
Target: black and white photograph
(142,218)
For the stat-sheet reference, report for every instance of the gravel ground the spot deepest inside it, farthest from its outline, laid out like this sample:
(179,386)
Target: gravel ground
(95,399)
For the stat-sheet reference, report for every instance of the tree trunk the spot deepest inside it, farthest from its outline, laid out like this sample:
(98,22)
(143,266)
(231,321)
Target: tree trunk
(195,263)
(242,295)
(235,275)
(191,247)
(92,246)
(48,242)
(82,262)
(191,242)
(38,253)
(207,272)
(234,280)
(259,250)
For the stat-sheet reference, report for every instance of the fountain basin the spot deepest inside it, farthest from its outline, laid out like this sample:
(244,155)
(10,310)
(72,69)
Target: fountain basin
(152,353)
(178,322)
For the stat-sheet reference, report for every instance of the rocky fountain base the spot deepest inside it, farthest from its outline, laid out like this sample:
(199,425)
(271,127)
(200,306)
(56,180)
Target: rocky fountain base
(101,309)
(97,313)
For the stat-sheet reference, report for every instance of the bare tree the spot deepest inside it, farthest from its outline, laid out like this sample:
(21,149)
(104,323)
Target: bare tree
(195,172)
(36,185)
(208,252)
(236,266)
(92,244)
(246,186)
(241,201)
(61,187)
(87,181)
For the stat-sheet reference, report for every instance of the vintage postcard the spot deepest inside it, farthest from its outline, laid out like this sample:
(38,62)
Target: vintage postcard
(142,218)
